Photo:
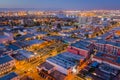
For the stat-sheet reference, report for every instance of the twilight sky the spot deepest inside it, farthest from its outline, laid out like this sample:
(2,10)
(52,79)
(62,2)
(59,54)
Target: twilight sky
(61,4)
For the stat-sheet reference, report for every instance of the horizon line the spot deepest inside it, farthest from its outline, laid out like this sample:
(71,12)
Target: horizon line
(54,9)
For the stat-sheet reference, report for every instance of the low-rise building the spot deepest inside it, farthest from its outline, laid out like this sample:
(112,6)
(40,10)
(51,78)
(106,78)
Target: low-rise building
(24,55)
(106,58)
(7,63)
(48,71)
(108,46)
(66,62)
(63,64)
(10,76)
(69,40)
(80,48)
(5,37)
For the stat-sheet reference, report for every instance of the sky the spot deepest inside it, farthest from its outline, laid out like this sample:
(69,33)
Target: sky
(61,4)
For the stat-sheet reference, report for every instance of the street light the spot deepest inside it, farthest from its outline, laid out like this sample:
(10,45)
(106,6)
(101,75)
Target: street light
(35,53)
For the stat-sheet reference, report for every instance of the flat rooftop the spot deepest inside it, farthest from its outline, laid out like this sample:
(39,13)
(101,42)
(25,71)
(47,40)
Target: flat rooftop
(49,38)
(117,44)
(46,65)
(40,33)
(9,76)
(108,69)
(5,59)
(35,41)
(25,36)
(108,57)
(69,40)
(81,45)
(2,46)
(25,53)
(58,75)
(66,59)
(20,43)
(13,47)
(67,27)
(73,56)
(3,36)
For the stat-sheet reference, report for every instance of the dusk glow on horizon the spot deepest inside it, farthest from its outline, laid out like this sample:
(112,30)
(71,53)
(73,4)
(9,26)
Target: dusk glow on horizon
(59,39)
(61,4)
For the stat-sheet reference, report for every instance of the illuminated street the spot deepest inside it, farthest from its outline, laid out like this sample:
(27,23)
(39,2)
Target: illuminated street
(60,40)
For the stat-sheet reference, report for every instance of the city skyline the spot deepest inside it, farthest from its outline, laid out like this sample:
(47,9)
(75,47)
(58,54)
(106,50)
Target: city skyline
(61,4)
(59,39)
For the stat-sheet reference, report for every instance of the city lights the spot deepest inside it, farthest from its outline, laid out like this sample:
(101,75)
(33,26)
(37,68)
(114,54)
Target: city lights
(60,40)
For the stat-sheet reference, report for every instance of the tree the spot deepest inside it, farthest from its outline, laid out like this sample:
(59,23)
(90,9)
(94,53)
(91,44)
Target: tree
(87,35)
